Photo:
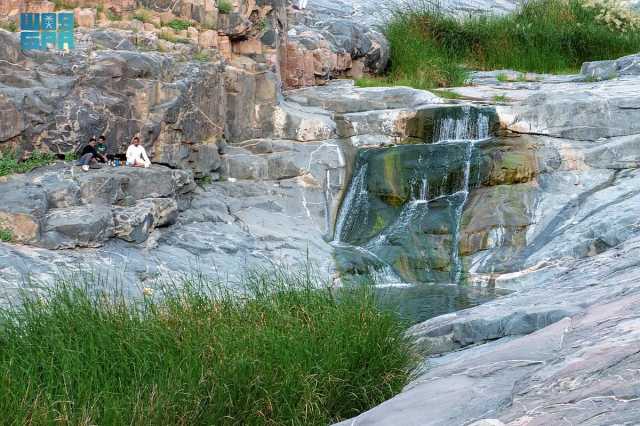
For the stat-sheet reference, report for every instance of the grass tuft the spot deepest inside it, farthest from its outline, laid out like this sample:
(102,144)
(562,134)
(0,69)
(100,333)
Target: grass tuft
(430,48)
(284,351)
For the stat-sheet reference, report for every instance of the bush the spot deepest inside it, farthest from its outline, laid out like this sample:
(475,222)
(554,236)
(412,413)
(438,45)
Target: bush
(282,352)
(9,26)
(434,49)
(179,24)
(9,163)
(6,236)
(224,6)
(144,15)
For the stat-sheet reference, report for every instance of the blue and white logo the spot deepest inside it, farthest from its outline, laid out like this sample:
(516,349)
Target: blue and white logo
(43,31)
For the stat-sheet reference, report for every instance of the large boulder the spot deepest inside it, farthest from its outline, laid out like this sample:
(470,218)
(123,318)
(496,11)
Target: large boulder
(22,209)
(84,226)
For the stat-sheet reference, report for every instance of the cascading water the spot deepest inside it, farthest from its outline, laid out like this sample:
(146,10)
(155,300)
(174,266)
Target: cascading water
(462,130)
(405,203)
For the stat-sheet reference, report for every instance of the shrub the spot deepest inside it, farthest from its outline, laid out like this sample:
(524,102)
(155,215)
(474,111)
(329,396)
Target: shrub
(64,5)
(284,351)
(9,26)
(9,163)
(142,14)
(6,236)
(202,57)
(112,16)
(434,49)
(179,24)
(224,6)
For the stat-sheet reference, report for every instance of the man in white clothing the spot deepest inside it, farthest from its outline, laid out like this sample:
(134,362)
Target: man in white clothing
(300,4)
(137,155)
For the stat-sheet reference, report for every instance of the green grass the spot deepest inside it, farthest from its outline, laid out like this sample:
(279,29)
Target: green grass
(447,94)
(9,163)
(224,6)
(179,24)
(202,57)
(500,98)
(283,352)
(432,49)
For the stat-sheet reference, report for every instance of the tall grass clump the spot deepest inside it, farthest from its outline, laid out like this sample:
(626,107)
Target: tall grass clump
(431,48)
(284,351)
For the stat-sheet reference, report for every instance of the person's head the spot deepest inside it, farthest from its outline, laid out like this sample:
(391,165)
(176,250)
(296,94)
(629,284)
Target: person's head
(92,141)
(136,141)
(102,139)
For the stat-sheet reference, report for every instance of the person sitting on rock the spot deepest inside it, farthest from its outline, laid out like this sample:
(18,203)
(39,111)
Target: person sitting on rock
(300,4)
(137,155)
(102,148)
(90,156)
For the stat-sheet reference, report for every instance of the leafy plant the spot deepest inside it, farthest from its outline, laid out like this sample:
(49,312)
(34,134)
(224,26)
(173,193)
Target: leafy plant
(500,98)
(224,6)
(10,164)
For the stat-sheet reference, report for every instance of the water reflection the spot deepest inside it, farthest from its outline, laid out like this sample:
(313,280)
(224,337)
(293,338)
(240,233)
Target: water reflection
(420,302)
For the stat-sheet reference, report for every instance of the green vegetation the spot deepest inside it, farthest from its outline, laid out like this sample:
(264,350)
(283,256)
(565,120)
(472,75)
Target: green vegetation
(70,156)
(202,57)
(500,98)
(285,351)
(179,24)
(447,94)
(143,14)
(99,9)
(204,181)
(112,16)
(6,236)
(224,6)
(432,49)
(9,26)
(64,5)
(9,163)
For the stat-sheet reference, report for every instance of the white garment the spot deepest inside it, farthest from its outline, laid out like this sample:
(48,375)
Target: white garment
(301,4)
(137,153)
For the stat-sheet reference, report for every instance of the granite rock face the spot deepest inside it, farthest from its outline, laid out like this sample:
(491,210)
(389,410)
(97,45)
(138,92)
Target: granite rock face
(61,207)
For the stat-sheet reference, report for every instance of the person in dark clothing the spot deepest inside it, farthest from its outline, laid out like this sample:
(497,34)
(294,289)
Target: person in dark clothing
(90,156)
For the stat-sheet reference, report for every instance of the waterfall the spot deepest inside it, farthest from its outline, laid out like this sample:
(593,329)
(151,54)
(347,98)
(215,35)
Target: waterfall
(435,180)
(469,127)
(356,200)
(468,131)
